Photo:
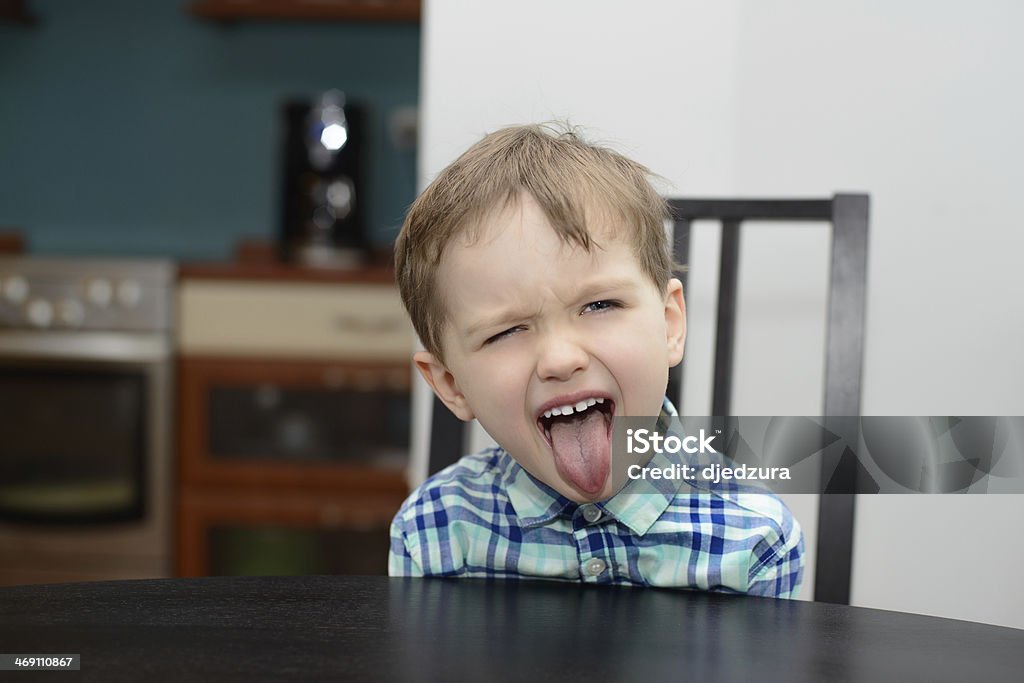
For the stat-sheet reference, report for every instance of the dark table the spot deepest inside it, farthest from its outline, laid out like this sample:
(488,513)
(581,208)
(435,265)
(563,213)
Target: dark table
(379,629)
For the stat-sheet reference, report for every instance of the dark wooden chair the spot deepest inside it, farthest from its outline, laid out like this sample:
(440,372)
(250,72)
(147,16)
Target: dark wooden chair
(847,216)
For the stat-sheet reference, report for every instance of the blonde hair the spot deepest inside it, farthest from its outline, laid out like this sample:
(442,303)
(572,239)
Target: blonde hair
(568,178)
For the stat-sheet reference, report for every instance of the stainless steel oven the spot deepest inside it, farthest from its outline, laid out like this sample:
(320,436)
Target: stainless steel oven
(85,419)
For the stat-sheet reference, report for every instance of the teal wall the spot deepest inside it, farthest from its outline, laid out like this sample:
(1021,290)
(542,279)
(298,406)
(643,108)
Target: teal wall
(133,128)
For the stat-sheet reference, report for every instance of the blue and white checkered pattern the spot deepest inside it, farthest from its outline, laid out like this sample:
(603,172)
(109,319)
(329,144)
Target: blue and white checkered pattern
(485,516)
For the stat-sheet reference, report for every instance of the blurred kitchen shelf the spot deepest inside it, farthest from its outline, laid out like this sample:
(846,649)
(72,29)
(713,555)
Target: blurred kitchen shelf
(255,259)
(308,10)
(284,272)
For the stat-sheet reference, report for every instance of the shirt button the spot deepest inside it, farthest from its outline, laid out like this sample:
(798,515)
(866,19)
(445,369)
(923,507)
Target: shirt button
(591,513)
(594,566)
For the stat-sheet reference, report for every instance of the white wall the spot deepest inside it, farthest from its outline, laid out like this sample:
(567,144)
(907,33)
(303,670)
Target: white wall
(914,102)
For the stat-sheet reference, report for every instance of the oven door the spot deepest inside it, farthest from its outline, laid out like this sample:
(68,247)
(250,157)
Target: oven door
(82,423)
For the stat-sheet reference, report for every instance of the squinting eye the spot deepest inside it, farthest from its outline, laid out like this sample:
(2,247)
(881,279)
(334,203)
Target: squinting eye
(602,305)
(501,335)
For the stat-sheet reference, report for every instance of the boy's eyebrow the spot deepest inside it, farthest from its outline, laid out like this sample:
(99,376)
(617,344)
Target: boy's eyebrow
(585,291)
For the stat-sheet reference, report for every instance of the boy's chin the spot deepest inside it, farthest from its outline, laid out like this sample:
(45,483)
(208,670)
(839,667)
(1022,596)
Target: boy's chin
(577,496)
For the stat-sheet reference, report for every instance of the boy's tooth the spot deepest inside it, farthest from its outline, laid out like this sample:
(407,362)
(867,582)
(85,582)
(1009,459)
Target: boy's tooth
(569,409)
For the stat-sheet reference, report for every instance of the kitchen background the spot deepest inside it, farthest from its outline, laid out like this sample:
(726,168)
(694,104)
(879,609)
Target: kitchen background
(150,132)
(196,406)
(139,128)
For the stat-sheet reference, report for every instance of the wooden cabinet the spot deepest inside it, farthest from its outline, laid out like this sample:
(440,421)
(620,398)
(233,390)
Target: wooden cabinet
(293,421)
(316,10)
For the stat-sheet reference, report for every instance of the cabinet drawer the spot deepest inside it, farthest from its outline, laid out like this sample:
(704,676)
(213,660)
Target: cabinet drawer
(323,320)
(316,425)
(221,532)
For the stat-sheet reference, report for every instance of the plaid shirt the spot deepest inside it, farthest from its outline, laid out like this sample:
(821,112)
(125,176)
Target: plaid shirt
(485,516)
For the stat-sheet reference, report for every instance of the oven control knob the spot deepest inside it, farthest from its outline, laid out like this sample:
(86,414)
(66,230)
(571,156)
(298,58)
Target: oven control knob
(40,312)
(129,292)
(71,312)
(15,289)
(100,292)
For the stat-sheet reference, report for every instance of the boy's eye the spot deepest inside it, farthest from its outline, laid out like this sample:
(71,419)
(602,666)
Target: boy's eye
(501,335)
(602,305)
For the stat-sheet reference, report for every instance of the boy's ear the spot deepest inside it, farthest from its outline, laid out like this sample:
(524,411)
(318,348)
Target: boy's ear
(675,321)
(442,381)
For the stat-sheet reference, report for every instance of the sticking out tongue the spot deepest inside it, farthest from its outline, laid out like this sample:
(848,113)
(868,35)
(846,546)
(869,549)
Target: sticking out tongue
(582,449)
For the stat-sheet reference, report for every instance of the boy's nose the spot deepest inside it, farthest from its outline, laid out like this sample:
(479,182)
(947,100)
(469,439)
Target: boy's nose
(560,358)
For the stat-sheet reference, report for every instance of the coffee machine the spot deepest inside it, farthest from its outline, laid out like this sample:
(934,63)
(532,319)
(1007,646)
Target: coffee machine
(323,222)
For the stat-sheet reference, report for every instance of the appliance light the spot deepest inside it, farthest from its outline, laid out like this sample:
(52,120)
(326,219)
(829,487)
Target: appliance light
(334,136)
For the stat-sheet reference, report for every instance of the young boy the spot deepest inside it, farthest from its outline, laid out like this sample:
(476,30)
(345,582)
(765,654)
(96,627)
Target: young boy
(537,273)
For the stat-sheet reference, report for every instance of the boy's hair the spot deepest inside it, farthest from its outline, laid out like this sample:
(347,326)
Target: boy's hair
(567,177)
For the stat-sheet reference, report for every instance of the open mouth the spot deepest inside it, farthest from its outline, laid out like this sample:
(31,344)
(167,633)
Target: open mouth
(580,411)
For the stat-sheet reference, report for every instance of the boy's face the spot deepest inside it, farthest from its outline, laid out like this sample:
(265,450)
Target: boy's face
(535,323)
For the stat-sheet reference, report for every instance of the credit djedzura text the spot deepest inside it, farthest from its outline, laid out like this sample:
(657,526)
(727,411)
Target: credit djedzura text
(643,441)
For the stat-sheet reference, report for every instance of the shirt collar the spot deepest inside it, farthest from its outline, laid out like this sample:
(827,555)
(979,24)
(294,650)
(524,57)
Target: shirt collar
(535,502)
(640,503)
(637,505)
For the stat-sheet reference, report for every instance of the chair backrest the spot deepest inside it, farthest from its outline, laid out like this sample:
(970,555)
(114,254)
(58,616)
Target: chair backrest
(847,214)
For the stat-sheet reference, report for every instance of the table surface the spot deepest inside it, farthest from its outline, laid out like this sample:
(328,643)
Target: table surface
(380,629)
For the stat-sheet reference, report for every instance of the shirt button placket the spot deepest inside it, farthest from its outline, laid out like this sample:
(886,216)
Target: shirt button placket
(593,568)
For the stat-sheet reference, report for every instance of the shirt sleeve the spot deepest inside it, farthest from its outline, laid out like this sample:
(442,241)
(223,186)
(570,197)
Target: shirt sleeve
(780,575)
(400,560)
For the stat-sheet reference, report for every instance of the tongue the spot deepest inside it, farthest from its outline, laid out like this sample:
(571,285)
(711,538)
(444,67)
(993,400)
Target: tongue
(582,451)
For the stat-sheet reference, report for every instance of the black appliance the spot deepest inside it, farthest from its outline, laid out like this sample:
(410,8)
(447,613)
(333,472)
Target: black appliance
(323,220)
